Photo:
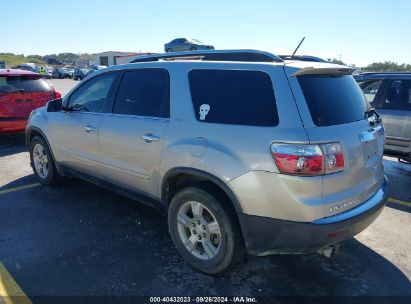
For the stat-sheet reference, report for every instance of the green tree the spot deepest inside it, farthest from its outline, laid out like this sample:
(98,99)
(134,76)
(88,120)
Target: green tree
(336,61)
(86,57)
(387,66)
(67,57)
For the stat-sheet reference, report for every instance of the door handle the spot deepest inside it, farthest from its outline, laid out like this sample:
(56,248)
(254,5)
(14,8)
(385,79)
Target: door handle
(89,129)
(149,138)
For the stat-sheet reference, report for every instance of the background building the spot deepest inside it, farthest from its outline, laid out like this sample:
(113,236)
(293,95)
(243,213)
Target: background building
(113,58)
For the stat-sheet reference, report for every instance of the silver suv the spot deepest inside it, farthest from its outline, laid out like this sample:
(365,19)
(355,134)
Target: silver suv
(245,152)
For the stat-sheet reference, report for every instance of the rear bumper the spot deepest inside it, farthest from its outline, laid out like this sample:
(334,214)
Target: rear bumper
(265,236)
(12,125)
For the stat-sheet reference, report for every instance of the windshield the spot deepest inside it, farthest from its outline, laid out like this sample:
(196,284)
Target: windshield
(27,83)
(333,100)
(196,41)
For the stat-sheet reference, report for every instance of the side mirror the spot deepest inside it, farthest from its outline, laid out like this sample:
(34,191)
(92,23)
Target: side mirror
(55,105)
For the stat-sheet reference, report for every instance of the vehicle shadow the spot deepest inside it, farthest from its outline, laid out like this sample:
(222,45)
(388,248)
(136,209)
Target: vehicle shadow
(12,144)
(78,239)
(23,181)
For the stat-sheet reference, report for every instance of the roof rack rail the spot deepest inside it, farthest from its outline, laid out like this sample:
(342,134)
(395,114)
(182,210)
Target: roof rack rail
(213,55)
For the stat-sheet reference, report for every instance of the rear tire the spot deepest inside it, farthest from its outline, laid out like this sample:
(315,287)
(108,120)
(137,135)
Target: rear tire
(205,230)
(42,162)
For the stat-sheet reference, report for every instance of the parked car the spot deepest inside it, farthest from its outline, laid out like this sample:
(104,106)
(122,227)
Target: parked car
(269,158)
(98,67)
(94,69)
(20,93)
(390,94)
(49,73)
(79,74)
(62,73)
(28,67)
(70,70)
(185,44)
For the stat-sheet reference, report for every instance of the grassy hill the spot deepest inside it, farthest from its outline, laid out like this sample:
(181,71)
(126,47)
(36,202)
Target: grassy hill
(14,60)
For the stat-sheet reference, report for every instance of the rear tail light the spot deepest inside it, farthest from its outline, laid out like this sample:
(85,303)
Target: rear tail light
(308,160)
(334,158)
(57,94)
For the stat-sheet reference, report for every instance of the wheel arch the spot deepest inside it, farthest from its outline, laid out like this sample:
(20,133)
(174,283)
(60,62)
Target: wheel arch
(180,177)
(32,132)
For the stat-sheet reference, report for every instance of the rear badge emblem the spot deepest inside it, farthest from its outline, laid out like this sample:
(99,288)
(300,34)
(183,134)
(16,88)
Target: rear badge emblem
(343,205)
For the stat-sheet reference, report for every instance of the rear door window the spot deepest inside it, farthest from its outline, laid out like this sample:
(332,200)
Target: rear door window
(234,97)
(333,100)
(144,92)
(26,83)
(398,95)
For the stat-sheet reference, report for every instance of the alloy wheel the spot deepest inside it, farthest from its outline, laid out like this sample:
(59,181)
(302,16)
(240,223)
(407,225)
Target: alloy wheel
(199,230)
(40,161)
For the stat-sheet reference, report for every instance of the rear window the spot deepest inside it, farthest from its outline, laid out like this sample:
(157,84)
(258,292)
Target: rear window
(333,100)
(26,83)
(233,97)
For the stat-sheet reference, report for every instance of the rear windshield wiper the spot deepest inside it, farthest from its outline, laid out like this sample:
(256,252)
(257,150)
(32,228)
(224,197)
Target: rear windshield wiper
(12,92)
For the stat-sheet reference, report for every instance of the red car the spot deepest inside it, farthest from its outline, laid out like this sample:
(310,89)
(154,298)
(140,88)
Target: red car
(20,93)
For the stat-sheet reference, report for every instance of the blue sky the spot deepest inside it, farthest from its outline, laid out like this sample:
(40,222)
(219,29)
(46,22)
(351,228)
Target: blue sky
(360,32)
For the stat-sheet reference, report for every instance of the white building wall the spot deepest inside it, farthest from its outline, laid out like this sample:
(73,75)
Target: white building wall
(110,56)
(126,59)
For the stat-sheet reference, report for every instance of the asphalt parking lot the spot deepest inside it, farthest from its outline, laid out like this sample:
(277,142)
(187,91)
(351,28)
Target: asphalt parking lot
(77,239)
(63,85)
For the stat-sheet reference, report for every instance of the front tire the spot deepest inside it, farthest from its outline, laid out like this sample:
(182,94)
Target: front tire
(204,229)
(42,162)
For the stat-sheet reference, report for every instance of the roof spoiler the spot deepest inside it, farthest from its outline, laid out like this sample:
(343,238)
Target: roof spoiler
(337,71)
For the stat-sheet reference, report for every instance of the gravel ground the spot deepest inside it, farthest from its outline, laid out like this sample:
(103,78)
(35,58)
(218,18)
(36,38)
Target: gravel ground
(63,85)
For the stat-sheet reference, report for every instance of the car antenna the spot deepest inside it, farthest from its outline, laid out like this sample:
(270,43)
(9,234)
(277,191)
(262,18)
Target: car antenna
(295,51)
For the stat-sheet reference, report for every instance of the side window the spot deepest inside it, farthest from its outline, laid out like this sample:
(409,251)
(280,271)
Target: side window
(144,92)
(233,97)
(398,95)
(370,88)
(92,95)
